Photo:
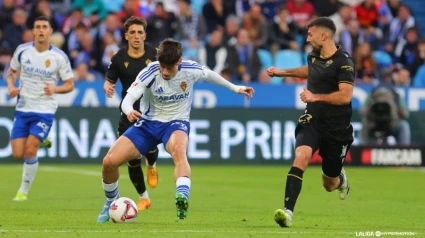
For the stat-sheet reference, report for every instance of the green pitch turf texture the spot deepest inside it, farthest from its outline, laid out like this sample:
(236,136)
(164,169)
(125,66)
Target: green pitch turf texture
(226,201)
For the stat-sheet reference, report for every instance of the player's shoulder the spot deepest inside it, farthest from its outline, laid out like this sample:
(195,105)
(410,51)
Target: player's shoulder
(24,46)
(120,54)
(149,48)
(59,53)
(190,66)
(151,70)
(343,56)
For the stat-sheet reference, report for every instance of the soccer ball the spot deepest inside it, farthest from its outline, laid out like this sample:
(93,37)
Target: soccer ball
(123,210)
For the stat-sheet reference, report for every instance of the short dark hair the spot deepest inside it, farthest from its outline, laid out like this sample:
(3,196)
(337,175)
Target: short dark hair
(135,21)
(42,18)
(169,52)
(324,22)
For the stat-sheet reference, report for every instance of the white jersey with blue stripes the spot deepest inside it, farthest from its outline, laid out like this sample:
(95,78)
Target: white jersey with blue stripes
(37,69)
(167,100)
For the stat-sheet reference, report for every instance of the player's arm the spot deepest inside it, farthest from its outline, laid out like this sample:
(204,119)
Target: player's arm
(344,94)
(301,72)
(111,77)
(215,78)
(66,74)
(136,90)
(14,66)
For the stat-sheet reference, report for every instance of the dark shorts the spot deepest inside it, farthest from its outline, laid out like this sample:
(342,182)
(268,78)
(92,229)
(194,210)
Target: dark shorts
(332,151)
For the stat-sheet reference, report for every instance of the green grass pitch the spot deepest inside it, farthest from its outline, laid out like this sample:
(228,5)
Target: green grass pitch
(226,201)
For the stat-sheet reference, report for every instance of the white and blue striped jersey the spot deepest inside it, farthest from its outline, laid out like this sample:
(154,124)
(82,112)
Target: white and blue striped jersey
(167,100)
(36,70)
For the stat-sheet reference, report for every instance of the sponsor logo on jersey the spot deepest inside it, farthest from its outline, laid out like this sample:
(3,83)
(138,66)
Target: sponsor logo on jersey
(173,98)
(183,85)
(47,63)
(126,64)
(329,62)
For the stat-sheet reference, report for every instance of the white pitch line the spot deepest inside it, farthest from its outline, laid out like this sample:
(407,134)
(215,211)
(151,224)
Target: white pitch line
(75,171)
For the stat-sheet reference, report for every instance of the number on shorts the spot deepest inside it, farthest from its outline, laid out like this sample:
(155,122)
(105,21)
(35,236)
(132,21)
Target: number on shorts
(139,123)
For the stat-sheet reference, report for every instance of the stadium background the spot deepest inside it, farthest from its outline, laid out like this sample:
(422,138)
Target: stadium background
(225,127)
(229,198)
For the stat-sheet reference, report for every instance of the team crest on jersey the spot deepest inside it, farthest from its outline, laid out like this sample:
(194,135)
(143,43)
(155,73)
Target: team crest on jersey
(183,85)
(148,61)
(47,63)
(329,62)
(126,64)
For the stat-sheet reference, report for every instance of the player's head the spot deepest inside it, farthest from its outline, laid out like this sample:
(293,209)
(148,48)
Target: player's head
(135,31)
(169,55)
(320,31)
(42,29)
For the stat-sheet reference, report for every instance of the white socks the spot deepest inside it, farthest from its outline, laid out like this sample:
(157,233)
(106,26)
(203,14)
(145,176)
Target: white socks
(111,190)
(183,186)
(28,174)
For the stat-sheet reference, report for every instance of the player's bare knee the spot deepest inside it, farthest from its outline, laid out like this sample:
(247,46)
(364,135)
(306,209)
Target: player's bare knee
(179,152)
(301,161)
(108,163)
(18,154)
(30,151)
(328,187)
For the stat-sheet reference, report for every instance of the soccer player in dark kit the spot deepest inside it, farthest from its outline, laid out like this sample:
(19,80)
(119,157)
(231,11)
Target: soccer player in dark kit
(126,64)
(325,124)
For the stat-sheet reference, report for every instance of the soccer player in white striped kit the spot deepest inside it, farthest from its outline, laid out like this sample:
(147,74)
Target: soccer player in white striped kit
(167,88)
(41,66)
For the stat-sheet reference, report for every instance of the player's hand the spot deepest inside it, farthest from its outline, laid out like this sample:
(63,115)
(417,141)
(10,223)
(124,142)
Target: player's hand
(248,91)
(272,71)
(109,90)
(307,96)
(49,90)
(134,116)
(13,92)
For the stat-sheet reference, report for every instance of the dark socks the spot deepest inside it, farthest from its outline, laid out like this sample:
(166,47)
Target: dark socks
(136,175)
(293,187)
(152,156)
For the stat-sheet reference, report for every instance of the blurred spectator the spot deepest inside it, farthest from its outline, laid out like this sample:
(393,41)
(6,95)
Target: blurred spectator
(407,55)
(145,7)
(365,63)
(161,25)
(283,32)
(110,48)
(398,29)
(367,14)
(191,30)
(113,6)
(231,30)
(57,39)
(213,54)
(326,8)
(419,58)
(341,20)
(129,9)
(214,15)
(270,8)
(394,6)
(27,36)
(110,25)
(6,13)
(226,74)
(5,58)
(14,30)
(42,8)
(74,40)
(73,20)
(243,60)
(94,10)
(81,73)
(352,37)
(61,7)
(384,113)
(402,78)
(351,2)
(256,25)
(87,53)
(302,12)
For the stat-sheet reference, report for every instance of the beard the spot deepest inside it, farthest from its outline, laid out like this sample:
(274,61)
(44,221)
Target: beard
(316,48)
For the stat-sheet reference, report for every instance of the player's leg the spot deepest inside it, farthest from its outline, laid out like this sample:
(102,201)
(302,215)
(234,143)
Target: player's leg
(176,141)
(333,174)
(135,171)
(151,170)
(307,140)
(128,147)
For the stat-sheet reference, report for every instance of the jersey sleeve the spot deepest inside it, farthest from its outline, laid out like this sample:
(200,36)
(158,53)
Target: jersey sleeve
(113,70)
(15,63)
(144,80)
(346,70)
(65,70)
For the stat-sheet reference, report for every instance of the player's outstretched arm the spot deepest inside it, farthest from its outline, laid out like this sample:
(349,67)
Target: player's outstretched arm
(109,88)
(215,78)
(127,108)
(301,72)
